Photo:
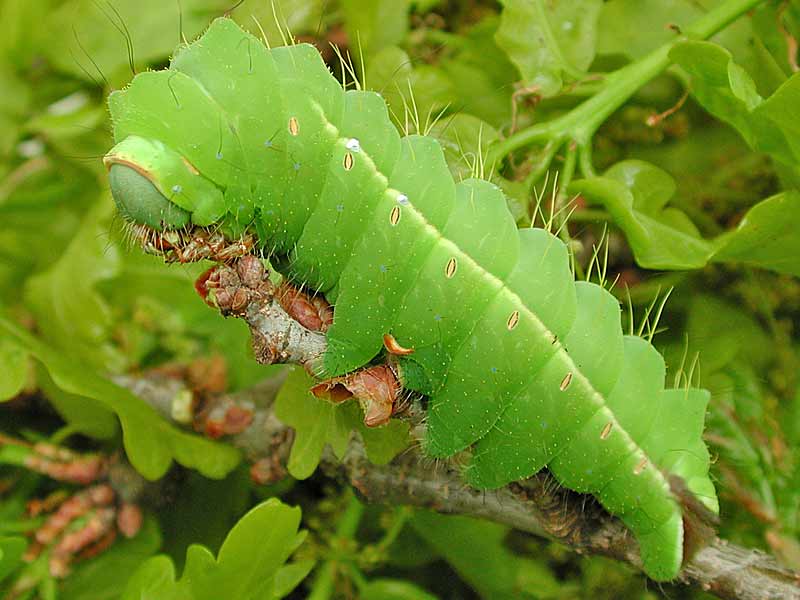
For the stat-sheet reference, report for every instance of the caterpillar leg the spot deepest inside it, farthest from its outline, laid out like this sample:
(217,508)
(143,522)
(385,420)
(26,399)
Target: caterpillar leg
(376,388)
(191,245)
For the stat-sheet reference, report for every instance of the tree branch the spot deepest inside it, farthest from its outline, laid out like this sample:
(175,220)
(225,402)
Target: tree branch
(537,505)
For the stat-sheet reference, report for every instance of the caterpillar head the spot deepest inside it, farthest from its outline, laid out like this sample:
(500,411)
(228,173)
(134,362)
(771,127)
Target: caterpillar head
(170,205)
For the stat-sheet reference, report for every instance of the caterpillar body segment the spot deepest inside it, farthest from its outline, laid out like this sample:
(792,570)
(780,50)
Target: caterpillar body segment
(523,367)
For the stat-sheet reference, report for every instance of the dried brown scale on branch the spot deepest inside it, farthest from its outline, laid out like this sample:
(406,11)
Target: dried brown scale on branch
(312,312)
(235,420)
(286,322)
(377,389)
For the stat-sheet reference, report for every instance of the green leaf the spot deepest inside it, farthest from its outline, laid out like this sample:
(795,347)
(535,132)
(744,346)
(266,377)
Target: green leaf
(315,422)
(465,140)
(105,576)
(204,511)
(721,333)
(391,72)
(154,579)
(246,568)
(374,24)
(153,28)
(386,588)
(41,206)
(772,42)
(476,550)
(14,103)
(318,422)
(635,193)
(11,551)
(85,415)
(14,375)
(69,312)
(727,91)
(289,577)
(660,238)
(549,41)
(150,442)
(767,236)
(472,76)
(381,443)
(277,17)
(21,34)
(635,27)
(480,73)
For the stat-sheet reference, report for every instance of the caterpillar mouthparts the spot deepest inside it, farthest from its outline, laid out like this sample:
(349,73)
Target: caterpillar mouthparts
(191,244)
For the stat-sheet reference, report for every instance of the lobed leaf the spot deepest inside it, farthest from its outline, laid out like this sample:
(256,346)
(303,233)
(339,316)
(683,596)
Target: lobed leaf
(150,442)
(635,193)
(152,29)
(14,359)
(318,424)
(635,27)
(471,77)
(250,563)
(374,24)
(766,236)
(69,312)
(728,92)
(85,415)
(465,140)
(549,41)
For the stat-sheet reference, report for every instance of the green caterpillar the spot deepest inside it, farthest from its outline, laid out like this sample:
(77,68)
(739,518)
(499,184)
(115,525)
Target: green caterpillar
(523,367)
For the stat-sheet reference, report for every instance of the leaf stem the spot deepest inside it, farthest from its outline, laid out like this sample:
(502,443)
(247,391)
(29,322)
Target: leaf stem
(560,214)
(401,516)
(585,159)
(589,215)
(345,529)
(580,123)
(542,163)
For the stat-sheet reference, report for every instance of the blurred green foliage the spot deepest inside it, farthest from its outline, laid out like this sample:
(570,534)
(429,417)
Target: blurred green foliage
(698,193)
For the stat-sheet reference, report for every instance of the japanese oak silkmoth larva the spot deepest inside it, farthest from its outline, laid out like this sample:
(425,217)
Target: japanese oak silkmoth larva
(523,367)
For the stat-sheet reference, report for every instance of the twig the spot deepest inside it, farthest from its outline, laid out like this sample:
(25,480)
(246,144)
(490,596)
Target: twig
(537,505)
